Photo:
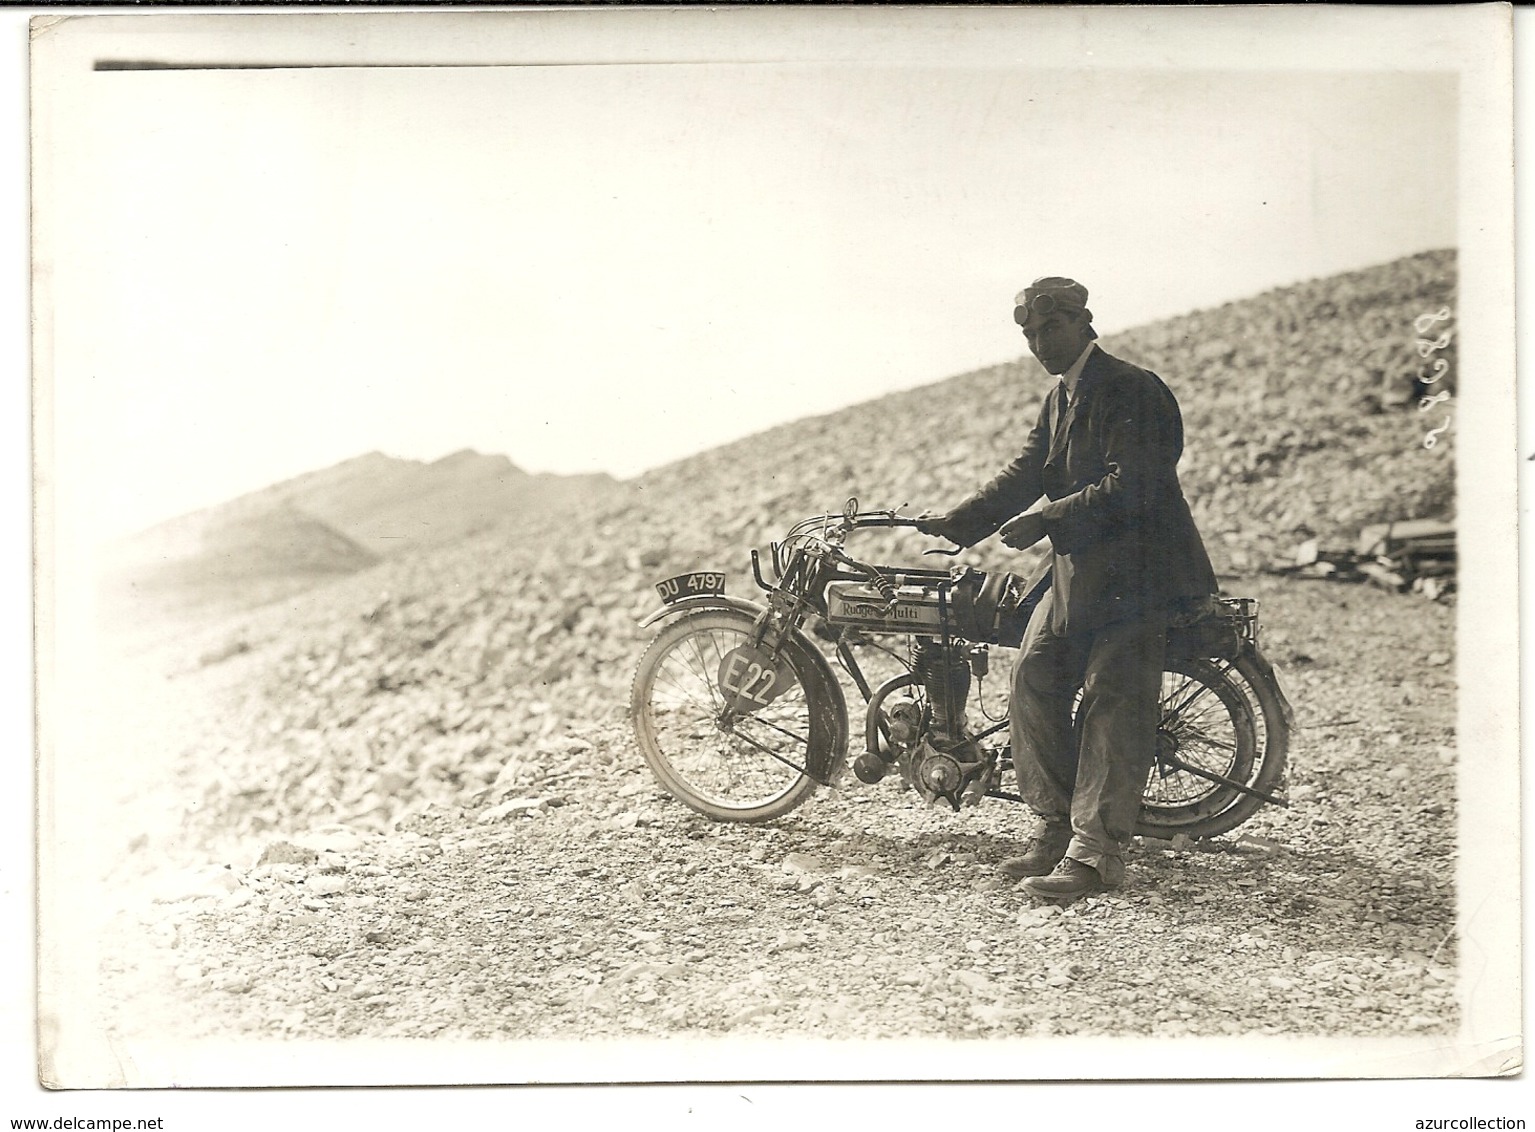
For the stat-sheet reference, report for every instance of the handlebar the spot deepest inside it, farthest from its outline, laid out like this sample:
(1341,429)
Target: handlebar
(864,520)
(832,529)
(880,519)
(892,519)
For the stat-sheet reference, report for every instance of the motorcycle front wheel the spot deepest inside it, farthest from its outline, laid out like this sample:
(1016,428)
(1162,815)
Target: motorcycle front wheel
(731,765)
(1223,718)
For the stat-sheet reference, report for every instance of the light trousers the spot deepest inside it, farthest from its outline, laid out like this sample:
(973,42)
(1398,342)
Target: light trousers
(1088,768)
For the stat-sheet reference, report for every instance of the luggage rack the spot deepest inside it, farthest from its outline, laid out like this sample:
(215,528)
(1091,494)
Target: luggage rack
(1242,612)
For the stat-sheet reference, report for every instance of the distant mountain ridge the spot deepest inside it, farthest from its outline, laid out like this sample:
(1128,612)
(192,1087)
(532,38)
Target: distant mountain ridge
(326,523)
(388,505)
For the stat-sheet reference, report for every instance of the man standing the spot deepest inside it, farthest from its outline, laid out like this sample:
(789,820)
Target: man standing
(1126,559)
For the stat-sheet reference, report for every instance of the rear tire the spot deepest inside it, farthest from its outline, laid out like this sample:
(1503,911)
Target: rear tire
(1220,716)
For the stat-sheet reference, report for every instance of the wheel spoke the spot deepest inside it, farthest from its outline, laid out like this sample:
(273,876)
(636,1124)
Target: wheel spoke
(765,749)
(1199,693)
(1204,739)
(1170,694)
(802,740)
(703,671)
(1206,727)
(689,690)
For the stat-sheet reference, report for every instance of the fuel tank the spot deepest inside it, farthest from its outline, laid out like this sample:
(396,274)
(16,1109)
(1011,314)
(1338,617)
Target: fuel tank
(860,605)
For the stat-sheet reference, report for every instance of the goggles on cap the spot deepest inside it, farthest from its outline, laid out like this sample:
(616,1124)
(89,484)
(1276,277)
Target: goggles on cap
(1042,304)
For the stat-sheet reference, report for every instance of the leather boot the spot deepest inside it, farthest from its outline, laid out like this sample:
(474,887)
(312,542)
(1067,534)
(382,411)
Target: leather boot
(1043,852)
(1070,880)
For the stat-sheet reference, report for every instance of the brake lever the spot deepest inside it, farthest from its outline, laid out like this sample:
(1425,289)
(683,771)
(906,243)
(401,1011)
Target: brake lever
(940,550)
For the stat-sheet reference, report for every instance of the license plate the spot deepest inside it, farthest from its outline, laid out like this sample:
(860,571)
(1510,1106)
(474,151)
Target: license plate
(690,585)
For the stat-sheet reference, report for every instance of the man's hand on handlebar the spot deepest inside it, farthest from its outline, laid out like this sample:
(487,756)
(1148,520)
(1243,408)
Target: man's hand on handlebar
(939,524)
(1019,533)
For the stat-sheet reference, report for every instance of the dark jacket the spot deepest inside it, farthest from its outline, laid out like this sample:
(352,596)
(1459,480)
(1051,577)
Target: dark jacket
(1124,541)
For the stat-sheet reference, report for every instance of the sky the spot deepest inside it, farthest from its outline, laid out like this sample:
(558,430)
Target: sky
(606,268)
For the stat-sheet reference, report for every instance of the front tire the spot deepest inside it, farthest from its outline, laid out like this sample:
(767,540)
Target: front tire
(731,766)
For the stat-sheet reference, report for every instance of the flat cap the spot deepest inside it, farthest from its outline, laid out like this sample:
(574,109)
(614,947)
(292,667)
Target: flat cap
(1049,293)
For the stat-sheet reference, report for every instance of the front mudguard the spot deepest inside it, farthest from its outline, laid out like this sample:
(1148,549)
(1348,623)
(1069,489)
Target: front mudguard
(828,707)
(702,601)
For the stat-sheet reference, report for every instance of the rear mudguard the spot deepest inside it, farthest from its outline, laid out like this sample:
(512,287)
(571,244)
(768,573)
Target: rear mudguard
(828,707)
(1266,670)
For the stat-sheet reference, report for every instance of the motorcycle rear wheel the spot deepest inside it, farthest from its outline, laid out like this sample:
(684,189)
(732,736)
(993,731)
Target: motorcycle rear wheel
(1219,716)
(731,766)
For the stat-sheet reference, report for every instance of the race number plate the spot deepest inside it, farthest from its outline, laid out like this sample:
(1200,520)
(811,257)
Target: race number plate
(690,585)
(750,679)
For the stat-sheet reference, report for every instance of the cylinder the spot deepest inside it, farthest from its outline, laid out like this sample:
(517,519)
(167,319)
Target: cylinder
(945,674)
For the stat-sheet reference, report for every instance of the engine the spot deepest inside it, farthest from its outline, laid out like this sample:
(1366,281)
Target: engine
(953,618)
(960,773)
(927,740)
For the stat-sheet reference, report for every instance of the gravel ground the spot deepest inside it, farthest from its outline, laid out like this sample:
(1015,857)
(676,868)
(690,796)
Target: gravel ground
(588,904)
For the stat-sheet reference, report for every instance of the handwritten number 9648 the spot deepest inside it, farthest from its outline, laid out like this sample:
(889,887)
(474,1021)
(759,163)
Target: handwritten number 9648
(1427,348)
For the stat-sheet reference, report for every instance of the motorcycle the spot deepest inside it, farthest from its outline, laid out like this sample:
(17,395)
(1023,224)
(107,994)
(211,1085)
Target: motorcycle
(739,714)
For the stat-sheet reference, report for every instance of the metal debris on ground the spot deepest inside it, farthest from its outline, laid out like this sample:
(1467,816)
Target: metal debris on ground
(1412,554)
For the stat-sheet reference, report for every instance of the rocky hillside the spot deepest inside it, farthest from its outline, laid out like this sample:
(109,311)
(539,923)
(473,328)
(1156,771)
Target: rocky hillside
(1299,410)
(228,558)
